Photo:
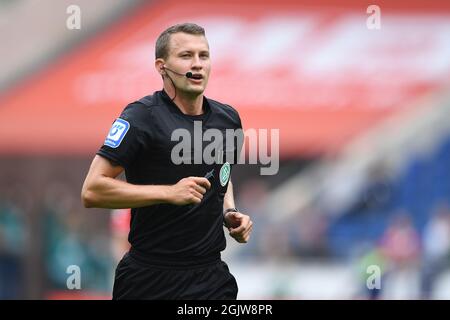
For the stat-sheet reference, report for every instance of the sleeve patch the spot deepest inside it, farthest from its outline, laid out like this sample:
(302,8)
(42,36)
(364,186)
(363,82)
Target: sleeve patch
(118,131)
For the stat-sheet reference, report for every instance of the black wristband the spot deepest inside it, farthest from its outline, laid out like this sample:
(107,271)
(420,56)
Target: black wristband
(230,210)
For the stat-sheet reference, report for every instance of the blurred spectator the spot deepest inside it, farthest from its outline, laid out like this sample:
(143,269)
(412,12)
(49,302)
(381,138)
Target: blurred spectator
(400,246)
(11,272)
(436,245)
(120,227)
(378,192)
(11,252)
(68,241)
(369,261)
(252,200)
(274,244)
(308,234)
(401,242)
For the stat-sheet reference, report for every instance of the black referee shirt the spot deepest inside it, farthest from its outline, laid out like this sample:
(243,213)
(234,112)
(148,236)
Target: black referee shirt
(140,141)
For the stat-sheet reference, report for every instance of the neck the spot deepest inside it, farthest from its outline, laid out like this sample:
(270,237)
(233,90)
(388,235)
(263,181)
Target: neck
(191,104)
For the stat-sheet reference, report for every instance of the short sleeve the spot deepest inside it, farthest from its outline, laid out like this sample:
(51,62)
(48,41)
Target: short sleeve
(240,136)
(240,139)
(123,142)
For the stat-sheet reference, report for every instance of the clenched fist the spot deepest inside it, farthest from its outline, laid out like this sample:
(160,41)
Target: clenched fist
(239,225)
(188,190)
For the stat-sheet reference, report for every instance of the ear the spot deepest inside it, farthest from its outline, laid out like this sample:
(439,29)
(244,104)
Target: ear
(159,66)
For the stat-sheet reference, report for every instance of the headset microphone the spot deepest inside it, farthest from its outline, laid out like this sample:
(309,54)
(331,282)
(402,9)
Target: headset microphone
(187,74)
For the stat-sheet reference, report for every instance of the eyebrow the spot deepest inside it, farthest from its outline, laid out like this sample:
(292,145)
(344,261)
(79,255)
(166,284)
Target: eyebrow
(190,51)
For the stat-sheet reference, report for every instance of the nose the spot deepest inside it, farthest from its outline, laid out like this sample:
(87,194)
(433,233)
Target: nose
(196,63)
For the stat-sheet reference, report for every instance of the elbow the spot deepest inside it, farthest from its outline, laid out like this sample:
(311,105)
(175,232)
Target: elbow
(88,198)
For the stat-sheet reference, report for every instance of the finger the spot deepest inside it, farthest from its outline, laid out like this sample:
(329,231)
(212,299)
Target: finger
(232,215)
(237,217)
(237,214)
(195,200)
(247,232)
(197,194)
(236,237)
(202,181)
(199,188)
(244,221)
(237,231)
(244,234)
(241,240)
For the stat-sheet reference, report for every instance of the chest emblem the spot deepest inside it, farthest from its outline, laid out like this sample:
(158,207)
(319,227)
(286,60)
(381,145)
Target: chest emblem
(224,174)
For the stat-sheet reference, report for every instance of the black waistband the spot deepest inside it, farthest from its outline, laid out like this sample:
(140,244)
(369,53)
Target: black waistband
(169,261)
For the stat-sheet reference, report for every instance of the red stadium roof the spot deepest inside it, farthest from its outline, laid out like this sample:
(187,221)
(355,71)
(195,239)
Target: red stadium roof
(312,70)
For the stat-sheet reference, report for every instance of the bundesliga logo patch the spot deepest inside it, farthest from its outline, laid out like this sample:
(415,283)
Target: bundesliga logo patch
(118,131)
(224,174)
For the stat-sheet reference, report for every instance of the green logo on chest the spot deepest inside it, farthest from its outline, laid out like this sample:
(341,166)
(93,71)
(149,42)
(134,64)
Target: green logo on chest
(224,174)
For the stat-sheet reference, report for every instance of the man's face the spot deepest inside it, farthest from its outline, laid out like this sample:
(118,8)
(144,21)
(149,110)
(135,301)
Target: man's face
(189,52)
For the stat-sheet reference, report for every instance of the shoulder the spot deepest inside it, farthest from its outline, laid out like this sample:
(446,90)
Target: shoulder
(225,110)
(139,112)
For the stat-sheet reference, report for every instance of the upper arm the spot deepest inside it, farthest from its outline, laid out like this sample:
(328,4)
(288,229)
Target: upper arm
(99,169)
(102,167)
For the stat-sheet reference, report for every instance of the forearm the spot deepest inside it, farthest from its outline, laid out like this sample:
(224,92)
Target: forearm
(228,200)
(111,193)
(236,222)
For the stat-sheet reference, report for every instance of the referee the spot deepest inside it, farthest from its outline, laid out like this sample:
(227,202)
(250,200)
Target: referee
(178,210)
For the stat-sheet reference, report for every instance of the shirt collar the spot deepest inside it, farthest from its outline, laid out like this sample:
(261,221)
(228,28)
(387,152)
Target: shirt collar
(169,101)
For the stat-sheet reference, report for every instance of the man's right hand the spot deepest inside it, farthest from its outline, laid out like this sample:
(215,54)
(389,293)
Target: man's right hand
(188,190)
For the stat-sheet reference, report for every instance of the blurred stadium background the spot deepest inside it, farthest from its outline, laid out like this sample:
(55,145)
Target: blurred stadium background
(364,119)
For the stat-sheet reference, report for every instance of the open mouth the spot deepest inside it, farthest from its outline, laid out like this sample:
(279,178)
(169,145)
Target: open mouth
(197,76)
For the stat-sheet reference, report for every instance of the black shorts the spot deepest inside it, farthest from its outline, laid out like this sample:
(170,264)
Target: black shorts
(210,281)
